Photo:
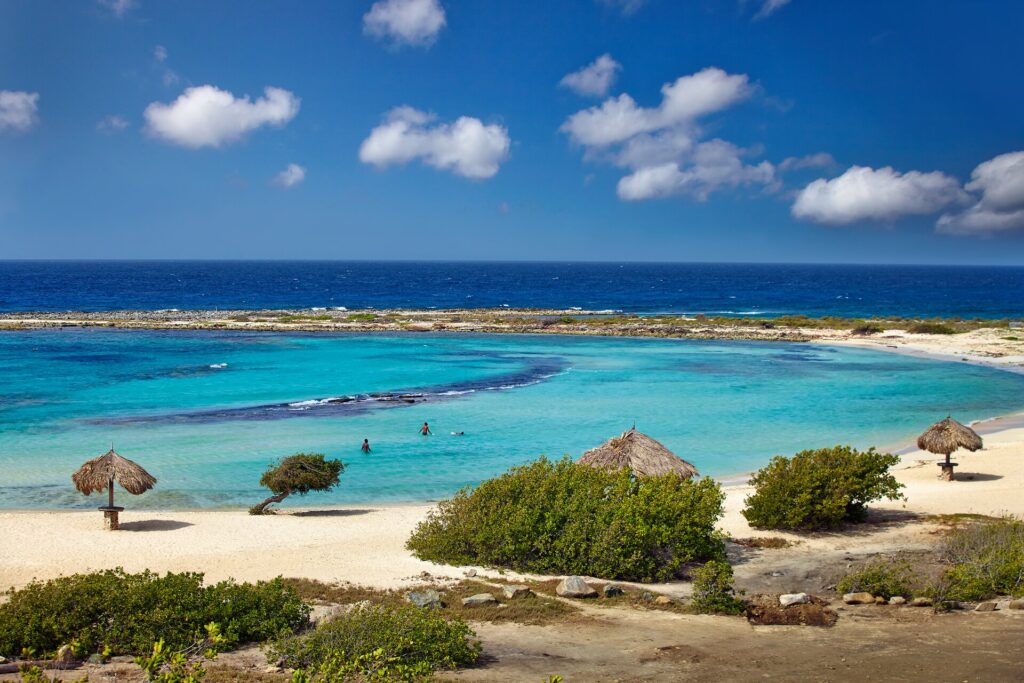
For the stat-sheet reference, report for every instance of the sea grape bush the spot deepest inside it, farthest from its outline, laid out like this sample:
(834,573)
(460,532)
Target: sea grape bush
(565,518)
(380,642)
(820,489)
(116,613)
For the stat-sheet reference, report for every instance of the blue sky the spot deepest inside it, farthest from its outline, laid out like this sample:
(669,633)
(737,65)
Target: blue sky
(711,130)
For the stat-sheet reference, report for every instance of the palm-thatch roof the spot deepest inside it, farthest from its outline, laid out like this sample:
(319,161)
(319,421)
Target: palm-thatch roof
(643,455)
(946,436)
(97,474)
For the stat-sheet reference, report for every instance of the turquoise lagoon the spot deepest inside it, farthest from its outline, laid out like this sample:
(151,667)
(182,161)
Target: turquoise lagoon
(206,411)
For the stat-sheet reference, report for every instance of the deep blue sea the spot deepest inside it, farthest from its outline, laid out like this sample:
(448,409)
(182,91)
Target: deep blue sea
(721,289)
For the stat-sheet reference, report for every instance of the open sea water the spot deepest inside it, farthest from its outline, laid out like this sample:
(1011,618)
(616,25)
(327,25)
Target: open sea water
(205,412)
(717,289)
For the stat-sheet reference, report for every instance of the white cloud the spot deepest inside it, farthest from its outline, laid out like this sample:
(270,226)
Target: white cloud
(160,53)
(18,110)
(770,7)
(714,165)
(292,175)
(595,79)
(111,124)
(819,160)
(661,146)
(689,97)
(627,7)
(466,147)
(1000,182)
(206,116)
(408,22)
(863,193)
(118,7)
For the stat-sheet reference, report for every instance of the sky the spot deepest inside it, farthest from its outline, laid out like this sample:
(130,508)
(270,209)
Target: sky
(606,130)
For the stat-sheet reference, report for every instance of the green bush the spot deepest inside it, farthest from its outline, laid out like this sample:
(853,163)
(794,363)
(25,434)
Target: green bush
(126,613)
(879,577)
(868,328)
(565,518)
(403,642)
(712,589)
(985,560)
(931,328)
(820,489)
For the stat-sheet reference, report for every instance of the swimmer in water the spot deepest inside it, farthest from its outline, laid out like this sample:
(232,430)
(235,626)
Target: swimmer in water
(366,445)
(458,433)
(425,430)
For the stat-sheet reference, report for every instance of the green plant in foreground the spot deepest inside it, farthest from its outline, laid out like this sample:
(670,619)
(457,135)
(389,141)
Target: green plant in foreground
(165,666)
(820,489)
(984,560)
(379,643)
(713,591)
(300,473)
(565,518)
(115,613)
(883,578)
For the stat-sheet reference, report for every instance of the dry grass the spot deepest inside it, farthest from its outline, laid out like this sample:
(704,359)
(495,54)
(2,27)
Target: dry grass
(769,542)
(226,674)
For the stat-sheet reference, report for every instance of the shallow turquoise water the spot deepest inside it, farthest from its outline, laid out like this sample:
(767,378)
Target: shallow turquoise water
(205,412)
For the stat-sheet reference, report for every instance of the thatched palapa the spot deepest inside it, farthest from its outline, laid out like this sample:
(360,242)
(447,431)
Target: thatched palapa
(101,473)
(645,456)
(946,436)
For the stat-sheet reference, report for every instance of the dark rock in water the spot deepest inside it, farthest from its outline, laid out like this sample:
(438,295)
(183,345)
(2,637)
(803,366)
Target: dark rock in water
(575,587)
(610,590)
(426,598)
(479,599)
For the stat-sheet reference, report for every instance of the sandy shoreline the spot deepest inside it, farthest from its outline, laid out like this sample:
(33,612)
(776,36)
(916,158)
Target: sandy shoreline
(364,544)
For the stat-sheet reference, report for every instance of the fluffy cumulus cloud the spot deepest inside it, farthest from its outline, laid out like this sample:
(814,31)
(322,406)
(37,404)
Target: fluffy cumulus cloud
(206,116)
(406,22)
(819,160)
(467,147)
(864,194)
(595,79)
(998,188)
(292,175)
(18,110)
(661,146)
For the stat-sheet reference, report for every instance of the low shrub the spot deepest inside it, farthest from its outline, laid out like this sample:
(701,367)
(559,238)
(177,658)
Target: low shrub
(931,328)
(712,589)
(985,560)
(301,473)
(565,518)
(820,489)
(883,578)
(119,613)
(381,642)
(868,328)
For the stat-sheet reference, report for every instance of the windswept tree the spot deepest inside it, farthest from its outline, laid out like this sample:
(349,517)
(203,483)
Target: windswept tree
(299,473)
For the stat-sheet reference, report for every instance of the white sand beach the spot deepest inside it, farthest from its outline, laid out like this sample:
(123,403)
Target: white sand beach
(365,544)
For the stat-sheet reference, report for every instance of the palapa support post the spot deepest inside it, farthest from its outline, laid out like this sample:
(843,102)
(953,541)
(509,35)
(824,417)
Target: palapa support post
(110,520)
(946,473)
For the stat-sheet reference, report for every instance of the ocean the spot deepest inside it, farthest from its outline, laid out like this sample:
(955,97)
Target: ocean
(205,412)
(715,289)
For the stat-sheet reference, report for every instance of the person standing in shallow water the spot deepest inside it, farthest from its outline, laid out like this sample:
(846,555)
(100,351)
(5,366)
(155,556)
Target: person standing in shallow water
(425,430)
(366,445)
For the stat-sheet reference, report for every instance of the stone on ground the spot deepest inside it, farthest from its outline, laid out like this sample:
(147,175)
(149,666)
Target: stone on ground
(859,599)
(897,600)
(427,598)
(479,599)
(787,599)
(514,592)
(921,602)
(663,600)
(610,590)
(1016,604)
(986,607)
(575,587)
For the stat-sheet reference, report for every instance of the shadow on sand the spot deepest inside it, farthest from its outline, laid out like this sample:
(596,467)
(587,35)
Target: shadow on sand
(154,525)
(968,477)
(331,513)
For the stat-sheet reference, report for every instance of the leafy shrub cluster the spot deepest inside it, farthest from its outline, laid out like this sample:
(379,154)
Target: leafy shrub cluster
(381,642)
(931,328)
(712,589)
(565,518)
(985,560)
(119,613)
(820,489)
(868,328)
(300,473)
(879,577)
